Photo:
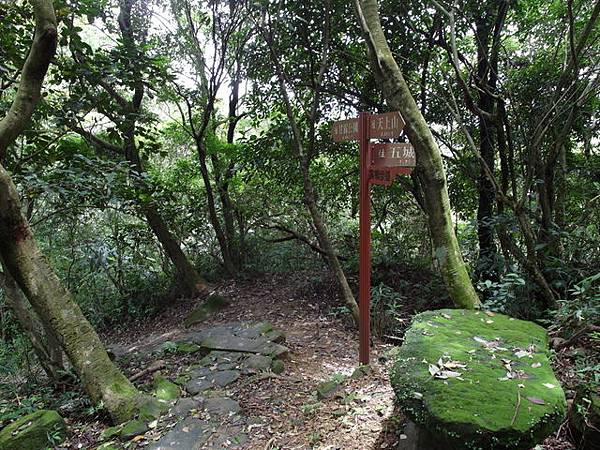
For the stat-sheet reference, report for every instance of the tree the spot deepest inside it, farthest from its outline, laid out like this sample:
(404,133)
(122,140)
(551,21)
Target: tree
(305,144)
(53,304)
(430,169)
(114,84)
(226,30)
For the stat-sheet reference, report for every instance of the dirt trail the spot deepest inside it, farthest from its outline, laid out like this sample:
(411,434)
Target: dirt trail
(322,346)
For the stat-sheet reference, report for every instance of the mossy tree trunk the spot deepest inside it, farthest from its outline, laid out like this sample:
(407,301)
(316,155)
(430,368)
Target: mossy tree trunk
(19,251)
(429,161)
(54,305)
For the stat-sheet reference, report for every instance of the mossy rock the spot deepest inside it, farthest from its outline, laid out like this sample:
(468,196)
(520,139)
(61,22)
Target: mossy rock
(35,431)
(585,418)
(110,432)
(153,409)
(187,347)
(165,390)
(482,405)
(277,366)
(328,389)
(211,305)
(132,429)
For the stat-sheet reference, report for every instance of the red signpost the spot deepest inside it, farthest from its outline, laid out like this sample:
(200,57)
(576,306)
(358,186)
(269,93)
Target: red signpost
(379,164)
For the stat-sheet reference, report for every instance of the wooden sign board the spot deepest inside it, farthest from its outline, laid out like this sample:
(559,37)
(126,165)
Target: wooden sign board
(345,130)
(393,155)
(385,176)
(386,126)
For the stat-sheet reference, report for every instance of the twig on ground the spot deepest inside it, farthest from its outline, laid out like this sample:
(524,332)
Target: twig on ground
(512,422)
(156,365)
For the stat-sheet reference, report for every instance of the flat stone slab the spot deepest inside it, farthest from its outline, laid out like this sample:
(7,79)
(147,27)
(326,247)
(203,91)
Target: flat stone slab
(184,406)
(211,380)
(189,434)
(478,380)
(222,406)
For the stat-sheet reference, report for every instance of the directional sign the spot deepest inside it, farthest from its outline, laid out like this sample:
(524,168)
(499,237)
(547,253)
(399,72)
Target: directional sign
(379,164)
(345,130)
(392,155)
(385,126)
(385,176)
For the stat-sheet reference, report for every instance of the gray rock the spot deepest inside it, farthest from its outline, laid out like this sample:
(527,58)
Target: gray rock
(184,405)
(210,380)
(224,377)
(257,362)
(222,406)
(189,434)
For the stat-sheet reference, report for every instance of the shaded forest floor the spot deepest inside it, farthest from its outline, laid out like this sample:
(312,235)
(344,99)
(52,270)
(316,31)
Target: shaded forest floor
(323,346)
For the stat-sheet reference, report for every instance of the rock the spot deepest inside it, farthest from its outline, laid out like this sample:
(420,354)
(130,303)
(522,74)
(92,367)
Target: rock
(202,381)
(222,406)
(152,409)
(164,389)
(110,432)
(478,380)
(132,429)
(35,431)
(328,389)
(187,347)
(190,433)
(257,362)
(585,419)
(211,305)
(277,366)
(224,377)
(184,406)
(276,336)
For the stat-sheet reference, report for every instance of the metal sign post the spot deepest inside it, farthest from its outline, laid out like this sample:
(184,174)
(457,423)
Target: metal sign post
(379,164)
(364,269)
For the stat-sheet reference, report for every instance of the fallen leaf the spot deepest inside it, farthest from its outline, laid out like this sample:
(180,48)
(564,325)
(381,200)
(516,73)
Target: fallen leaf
(417,395)
(446,316)
(536,400)
(489,321)
(489,313)
(536,365)
(549,385)
(138,438)
(433,369)
(521,353)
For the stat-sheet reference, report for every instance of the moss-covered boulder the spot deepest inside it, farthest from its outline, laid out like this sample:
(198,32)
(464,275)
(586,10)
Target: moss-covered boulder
(35,431)
(165,390)
(211,305)
(478,380)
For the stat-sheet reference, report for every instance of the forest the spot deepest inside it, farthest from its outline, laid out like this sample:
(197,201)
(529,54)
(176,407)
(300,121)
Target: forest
(206,243)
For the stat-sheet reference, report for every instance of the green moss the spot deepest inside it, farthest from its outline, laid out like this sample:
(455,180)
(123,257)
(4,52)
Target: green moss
(212,304)
(164,389)
(152,409)
(38,430)
(265,328)
(187,347)
(277,366)
(110,432)
(133,428)
(479,410)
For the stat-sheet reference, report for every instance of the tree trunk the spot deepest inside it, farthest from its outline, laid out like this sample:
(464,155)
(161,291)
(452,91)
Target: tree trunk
(486,74)
(188,278)
(430,168)
(55,307)
(45,344)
